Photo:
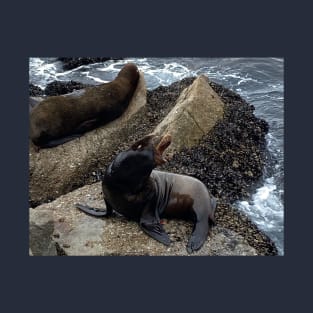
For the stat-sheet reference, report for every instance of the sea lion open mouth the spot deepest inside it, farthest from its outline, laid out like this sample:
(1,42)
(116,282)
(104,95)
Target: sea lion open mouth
(160,147)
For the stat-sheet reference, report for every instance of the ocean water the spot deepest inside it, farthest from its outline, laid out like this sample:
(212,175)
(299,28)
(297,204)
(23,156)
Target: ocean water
(260,81)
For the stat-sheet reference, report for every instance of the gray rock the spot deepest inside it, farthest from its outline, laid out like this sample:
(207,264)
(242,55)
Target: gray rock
(41,227)
(56,171)
(59,224)
(198,108)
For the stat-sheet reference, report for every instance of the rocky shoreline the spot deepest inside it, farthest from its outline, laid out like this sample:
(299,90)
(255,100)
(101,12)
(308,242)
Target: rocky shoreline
(71,63)
(229,160)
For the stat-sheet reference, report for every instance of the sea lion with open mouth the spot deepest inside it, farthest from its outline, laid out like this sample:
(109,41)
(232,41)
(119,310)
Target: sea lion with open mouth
(134,189)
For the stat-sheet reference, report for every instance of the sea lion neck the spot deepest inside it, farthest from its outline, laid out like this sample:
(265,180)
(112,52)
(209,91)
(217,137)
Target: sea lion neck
(117,178)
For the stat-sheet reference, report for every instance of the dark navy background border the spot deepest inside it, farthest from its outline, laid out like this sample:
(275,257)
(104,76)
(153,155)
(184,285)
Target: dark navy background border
(94,28)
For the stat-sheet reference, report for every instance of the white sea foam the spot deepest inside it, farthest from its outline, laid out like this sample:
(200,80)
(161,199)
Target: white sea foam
(279,59)
(42,71)
(267,211)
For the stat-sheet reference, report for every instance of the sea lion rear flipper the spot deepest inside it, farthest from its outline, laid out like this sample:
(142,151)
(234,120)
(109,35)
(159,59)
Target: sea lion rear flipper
(151,226)
(198,236)
(94,211)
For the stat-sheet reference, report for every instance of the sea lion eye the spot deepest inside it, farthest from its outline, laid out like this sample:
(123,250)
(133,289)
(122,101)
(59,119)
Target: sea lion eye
(139,146)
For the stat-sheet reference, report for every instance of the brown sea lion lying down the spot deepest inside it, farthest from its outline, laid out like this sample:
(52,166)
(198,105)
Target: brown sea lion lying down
(134,189)
(58,119)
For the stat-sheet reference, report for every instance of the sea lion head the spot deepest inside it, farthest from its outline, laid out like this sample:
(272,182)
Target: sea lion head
(136,164)
(129,73)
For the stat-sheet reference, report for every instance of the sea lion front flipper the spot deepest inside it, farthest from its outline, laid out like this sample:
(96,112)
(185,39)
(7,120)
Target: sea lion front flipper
(59,141)
(87,125)
(78,132)
(156,231)
(94,211)
(151,226)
